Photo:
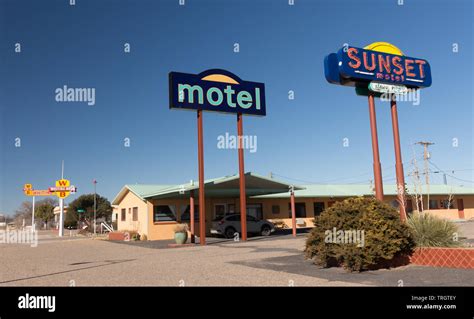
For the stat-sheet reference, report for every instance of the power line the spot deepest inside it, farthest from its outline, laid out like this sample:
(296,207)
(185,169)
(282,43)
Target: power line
(459,179)
(326,181)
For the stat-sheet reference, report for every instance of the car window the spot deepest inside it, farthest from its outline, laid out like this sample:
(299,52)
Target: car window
(233,218)
(251,218)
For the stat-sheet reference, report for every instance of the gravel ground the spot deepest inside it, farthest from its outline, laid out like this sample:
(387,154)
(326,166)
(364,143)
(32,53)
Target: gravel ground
(276,261)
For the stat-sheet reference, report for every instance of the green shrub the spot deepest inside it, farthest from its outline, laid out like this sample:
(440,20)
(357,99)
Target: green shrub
(431,231)
(386,240)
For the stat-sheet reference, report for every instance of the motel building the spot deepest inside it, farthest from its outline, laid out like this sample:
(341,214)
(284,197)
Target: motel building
(154,210)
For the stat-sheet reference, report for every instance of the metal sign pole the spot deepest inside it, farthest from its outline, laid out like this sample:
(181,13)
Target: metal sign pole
(33,227)
(61,217)
(293,211)
(243,201)
(398,159)
(191,215)
(375,149)
(202,205)
(61,206)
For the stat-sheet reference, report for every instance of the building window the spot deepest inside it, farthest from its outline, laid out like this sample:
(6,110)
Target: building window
(394,203)
(276,209)
(123,214)
(164,213)
(433,204)
(135,214)
(300,210)
(219,211)
(447,204)
(255,210)
(230,208)
(185,213)
(318,208)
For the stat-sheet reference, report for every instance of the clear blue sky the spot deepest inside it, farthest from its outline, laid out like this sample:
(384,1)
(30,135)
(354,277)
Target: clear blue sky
(280,45)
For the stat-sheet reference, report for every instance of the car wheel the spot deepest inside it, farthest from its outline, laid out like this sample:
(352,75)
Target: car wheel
(266,230)
(230,232)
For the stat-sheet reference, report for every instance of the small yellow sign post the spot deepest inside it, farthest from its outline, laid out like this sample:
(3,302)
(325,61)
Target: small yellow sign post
(62,190)
(29,191)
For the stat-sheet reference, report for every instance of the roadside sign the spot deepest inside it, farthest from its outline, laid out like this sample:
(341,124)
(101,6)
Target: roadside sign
(63,188)
(352,66)
(216,90)
(387,88)
(38,192)
(29,191)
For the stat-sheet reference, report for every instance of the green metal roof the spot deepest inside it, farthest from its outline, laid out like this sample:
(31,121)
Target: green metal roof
(346,190)
(216,187)
(227,186)
(258,186)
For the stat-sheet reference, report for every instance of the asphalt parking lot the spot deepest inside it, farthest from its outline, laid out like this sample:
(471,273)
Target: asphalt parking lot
(273,261)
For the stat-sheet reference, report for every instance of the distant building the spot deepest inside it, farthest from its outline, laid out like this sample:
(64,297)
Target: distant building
(56,212)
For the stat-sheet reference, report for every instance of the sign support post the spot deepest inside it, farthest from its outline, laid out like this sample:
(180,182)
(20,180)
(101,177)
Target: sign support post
(33,227)
(61,217)
(202,213)
(398,159)
(243,200)
(191,215)
(293,211)
(375,150)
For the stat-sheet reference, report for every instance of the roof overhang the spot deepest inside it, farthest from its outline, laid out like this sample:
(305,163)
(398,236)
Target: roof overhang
(227,187)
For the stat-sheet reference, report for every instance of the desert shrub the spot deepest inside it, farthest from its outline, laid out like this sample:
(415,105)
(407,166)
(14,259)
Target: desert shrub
(384,239)
(431,231)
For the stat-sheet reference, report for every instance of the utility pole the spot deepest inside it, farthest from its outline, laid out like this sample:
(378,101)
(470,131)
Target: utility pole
(416,183)
(95,205)
(426,157)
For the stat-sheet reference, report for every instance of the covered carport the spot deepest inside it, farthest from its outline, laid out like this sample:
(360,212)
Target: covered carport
(227,186)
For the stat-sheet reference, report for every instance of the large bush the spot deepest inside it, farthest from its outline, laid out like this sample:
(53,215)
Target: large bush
(431,231)
(386,240)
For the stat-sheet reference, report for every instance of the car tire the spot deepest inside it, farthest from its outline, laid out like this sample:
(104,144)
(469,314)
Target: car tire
(266,230)
(230,232)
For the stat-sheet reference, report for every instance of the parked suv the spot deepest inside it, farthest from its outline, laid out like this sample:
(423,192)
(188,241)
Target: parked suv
(230,224)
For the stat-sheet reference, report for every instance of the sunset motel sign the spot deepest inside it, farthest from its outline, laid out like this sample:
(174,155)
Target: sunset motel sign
(216,90)
(380,68)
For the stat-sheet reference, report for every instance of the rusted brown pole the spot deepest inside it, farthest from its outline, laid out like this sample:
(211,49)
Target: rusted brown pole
(191,215)
(293,213)
(243,201)
(398,159)
(202,212)
(375,149)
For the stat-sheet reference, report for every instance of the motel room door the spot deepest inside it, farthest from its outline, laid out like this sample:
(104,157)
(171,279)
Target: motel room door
(460,208)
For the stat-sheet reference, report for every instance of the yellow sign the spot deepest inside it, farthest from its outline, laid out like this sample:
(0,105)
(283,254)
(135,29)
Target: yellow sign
(384,47)
(62,189)
(29,191)
(38,192)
